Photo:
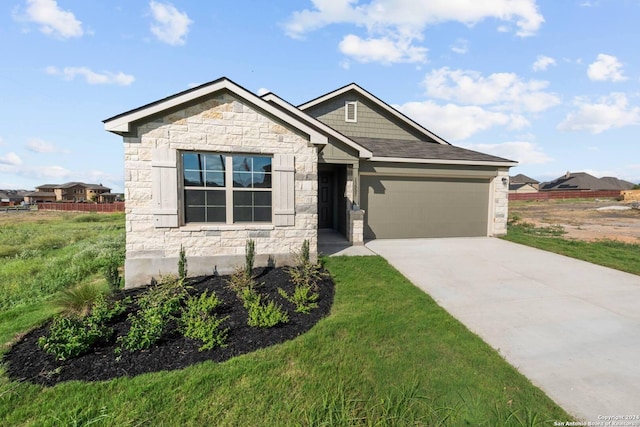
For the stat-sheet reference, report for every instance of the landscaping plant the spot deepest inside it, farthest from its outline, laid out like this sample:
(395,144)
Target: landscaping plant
(200,322)
(182,264)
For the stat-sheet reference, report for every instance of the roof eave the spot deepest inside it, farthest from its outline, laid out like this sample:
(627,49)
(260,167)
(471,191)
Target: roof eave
(121,124)
(506,163)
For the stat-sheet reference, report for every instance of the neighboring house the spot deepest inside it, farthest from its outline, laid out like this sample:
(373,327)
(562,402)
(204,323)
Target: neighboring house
(211,167)
(71,192)
(581,181)
(12,197)
(523,184)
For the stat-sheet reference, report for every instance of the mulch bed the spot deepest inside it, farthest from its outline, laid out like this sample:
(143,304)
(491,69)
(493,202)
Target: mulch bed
(25,361)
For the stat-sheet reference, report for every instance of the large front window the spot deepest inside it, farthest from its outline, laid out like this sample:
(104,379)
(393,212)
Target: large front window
(226,188)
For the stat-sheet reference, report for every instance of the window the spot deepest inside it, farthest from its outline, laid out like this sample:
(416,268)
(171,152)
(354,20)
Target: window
(226,188)
(351,111)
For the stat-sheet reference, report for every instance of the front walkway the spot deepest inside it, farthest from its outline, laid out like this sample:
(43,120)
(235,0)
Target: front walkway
(571,327)
(331,243)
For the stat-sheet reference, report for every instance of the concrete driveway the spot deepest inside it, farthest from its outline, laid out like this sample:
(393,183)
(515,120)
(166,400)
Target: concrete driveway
(571,327)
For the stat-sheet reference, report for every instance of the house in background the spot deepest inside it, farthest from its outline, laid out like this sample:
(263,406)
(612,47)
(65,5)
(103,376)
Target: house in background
(71,192)
(582,181)
(211,167)
(12,197)
(523,184)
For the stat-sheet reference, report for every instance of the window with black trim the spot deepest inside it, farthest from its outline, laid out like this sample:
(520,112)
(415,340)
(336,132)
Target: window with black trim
(226,188)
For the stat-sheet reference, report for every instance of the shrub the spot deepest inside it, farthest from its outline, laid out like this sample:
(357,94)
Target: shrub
(182,264)
(239,281)
(303,297)
(157,308)
(198,321)
(250,255)
(72,335)
(69,337)
(305,273)
(263,315)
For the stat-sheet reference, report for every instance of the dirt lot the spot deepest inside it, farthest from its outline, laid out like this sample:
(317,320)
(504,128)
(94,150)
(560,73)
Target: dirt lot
(583,219)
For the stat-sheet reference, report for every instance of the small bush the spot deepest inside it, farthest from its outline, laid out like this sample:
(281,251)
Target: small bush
(263,315)
(305,274)
(69,337)
(72,335)
(198,321)
(303,297)
(239,281)
(157,308)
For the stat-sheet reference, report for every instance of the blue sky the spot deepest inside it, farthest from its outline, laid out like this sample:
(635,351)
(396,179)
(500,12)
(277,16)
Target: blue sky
(554,84)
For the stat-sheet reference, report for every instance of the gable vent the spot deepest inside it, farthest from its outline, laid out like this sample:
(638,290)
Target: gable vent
(351,111)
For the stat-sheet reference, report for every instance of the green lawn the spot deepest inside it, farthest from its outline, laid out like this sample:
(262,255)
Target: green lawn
(386,355)
(609,253)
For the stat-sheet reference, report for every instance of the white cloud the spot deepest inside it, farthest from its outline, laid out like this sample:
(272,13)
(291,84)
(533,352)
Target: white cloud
(384,50)
(263,91)
(11,159)
(38,145)
(2,141)
(461,46)
(170,25)
(526,153)
(53,20)
(91,77)
(503,90)
(455,122)
(606,68)
(53,172)
(394,25)
(543,62)
(612,111)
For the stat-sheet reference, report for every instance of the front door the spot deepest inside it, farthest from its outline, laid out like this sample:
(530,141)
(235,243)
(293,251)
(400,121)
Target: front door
(325,199)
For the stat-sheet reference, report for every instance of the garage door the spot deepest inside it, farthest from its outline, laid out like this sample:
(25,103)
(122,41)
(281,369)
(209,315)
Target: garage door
(401,207)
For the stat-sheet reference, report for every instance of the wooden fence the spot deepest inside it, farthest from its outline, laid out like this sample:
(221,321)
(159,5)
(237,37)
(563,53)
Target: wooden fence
(574,194)
(83,207)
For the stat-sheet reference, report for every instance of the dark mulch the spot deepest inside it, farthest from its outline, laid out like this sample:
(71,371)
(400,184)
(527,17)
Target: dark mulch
(26,361)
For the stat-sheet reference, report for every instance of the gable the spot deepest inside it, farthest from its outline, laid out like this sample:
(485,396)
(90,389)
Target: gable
(365,119)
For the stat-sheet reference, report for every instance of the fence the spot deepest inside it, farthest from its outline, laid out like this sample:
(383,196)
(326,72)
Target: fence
(574,194)
(83,207)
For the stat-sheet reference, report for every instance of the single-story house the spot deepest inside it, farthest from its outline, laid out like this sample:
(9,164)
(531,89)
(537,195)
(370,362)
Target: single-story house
(582,181)
(211,167)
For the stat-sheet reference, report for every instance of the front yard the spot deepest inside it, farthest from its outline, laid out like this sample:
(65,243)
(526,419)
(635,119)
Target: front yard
(387,354)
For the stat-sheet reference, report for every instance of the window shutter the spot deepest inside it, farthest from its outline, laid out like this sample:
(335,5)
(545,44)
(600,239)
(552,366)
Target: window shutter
(283,192)
(164,196)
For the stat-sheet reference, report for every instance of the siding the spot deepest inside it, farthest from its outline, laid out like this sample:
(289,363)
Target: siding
(372,122)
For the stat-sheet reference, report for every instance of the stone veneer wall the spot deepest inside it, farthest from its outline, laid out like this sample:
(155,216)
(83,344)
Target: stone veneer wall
(500,203)
(220,124)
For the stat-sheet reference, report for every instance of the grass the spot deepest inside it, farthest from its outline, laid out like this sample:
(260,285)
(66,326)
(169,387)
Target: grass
(45,252)
(387,355)
(608,253)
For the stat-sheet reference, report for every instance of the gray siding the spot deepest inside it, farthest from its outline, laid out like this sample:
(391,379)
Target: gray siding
(372,122)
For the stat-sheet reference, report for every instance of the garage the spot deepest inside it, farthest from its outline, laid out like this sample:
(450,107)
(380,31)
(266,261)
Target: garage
(409,207)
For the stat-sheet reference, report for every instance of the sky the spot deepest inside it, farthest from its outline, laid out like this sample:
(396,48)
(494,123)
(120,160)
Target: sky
(553,84)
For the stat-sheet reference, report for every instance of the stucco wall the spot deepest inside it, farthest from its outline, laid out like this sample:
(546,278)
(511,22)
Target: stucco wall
(224,124)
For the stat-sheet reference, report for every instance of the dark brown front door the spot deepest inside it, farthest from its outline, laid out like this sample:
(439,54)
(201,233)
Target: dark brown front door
(325,199)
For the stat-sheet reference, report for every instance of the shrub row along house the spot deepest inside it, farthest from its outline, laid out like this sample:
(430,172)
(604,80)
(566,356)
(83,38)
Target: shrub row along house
(70,192)
(211,167)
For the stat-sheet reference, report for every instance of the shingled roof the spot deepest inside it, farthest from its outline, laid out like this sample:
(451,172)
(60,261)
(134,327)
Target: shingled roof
(407,149)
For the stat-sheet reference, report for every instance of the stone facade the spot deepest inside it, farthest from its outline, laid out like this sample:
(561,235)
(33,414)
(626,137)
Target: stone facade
(222,124)
(500,195)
